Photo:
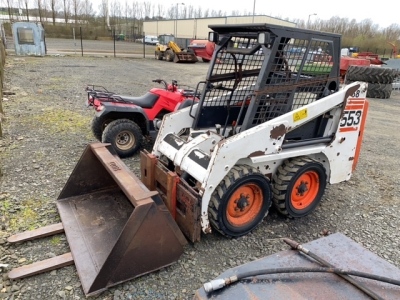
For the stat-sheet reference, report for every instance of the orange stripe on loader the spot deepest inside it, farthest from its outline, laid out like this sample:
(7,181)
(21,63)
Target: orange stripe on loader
(361,134)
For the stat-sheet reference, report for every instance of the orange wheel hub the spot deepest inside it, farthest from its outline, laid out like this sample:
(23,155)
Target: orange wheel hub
(305,190)
(244,204)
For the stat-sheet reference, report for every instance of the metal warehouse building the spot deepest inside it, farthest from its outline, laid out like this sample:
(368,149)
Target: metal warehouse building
(198,28)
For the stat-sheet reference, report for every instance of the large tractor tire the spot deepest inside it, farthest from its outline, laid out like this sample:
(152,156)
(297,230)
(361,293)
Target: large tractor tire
(240,201)
(377,90)
(370,74)
(98,125)
(169,55)
(298,186)
(125,136)
(158,55)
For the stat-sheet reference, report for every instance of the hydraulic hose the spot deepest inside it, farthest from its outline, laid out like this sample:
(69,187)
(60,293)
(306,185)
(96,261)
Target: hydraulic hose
(220,283)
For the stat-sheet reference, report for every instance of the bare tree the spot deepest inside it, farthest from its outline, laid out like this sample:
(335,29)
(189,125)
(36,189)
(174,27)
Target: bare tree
(190,12)
(53,10)
(77,9)
(67,10)
(103,10)
(26,6)
(160,11)
(41,9)
(198,13)
(147,9)
(10,5)
(171,12)
(87,10)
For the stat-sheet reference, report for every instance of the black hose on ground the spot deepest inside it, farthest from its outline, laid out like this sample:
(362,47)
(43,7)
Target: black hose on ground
(220,283)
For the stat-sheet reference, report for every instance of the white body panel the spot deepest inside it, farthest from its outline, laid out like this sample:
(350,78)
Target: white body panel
(261,146)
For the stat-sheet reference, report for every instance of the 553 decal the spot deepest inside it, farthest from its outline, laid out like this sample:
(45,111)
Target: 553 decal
(353,115)
(351,118)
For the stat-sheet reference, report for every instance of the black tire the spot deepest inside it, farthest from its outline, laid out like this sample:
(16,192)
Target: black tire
(158,55)
(379,90)
(98,125)
(303,176)
(240,201)
(169,55)
(125,136)
(205,60)
(370,74)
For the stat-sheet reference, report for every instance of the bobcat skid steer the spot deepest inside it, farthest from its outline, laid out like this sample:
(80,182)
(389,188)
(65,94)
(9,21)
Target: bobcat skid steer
(272,127)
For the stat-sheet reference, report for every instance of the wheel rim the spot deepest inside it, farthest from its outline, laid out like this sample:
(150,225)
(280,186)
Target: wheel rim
(305,190)
(125,140)
(244,204)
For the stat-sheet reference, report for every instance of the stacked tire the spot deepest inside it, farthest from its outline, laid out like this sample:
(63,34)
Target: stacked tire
(379,80)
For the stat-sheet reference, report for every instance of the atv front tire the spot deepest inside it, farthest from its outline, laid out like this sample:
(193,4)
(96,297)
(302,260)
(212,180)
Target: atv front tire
(125,136)
(98,125)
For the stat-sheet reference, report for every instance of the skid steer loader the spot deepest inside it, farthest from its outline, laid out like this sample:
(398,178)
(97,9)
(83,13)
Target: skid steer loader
(264,132)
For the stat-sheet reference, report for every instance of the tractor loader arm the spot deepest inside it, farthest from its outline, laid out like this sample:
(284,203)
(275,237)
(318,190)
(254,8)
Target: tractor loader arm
(174,46)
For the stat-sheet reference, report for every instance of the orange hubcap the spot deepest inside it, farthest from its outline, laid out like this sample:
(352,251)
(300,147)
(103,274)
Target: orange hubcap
(244,204)
(305,190)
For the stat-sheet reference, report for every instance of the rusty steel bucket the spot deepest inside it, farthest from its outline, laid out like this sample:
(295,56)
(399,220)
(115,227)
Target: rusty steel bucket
(116,228)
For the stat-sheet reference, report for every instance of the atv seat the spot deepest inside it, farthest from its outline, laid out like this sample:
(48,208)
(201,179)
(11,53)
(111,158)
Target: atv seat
(146,101)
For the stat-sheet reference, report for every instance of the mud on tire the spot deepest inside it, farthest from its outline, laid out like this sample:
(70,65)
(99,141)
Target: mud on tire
(125,136)
(370,74)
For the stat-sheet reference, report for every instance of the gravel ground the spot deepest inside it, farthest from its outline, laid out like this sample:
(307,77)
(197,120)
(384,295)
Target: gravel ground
(47,129)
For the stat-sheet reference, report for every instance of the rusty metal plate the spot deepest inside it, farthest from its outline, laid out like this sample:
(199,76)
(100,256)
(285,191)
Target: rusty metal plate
(337,249)
(42,266)
(36,233)
(188,212)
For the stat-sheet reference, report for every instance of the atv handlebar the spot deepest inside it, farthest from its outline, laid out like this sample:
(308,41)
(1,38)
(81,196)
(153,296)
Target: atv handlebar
(159,81)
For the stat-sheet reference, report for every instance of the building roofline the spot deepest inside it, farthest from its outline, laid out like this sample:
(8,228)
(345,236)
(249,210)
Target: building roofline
(247,16)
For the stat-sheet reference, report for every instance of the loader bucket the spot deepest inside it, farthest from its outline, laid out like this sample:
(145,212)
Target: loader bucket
(185,57)
(116,228)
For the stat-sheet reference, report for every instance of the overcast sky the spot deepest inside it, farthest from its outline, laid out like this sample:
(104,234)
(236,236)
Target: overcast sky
(383,15)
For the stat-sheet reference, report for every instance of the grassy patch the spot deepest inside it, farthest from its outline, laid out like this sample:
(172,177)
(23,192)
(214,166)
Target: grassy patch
(55,240)
(25,215)
(58,121)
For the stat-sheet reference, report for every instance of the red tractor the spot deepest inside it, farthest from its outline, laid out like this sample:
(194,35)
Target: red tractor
(124,121)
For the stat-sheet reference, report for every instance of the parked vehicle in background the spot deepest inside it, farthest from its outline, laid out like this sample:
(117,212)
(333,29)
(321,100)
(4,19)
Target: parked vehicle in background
(124,121)
(203,49)
(169,50)
(150,40)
